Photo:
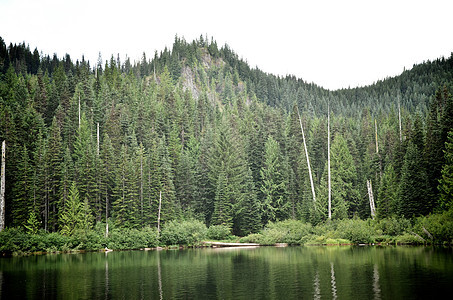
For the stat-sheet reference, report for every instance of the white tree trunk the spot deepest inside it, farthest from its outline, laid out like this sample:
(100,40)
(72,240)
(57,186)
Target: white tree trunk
(308,160)
(2,188)
(329,186)
(370,194)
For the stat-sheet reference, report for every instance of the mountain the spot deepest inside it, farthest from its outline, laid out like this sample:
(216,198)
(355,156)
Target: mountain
(220,141)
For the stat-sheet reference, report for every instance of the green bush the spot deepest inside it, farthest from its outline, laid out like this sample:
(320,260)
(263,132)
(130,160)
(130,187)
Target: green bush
(327,229)
(393,226)
(252,238)
(127,239)
(437,228)
(12,239)
(183,233)
(408,238)
(356,230)
(288,231)
(218,232)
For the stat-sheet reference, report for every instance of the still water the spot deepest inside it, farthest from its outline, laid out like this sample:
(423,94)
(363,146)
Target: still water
(260,273)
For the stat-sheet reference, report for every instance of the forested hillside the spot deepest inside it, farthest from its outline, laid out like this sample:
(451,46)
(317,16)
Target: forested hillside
(216,140)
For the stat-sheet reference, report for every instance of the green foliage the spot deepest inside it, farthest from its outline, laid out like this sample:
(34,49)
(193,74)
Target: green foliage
(218,232)
(355,230)
(393,226)
(288,231)
(436,228)
(219,140)
(412,189)
(446,181)
(123,239)
(32,225)
(76,216)
(273,188)
(183,233)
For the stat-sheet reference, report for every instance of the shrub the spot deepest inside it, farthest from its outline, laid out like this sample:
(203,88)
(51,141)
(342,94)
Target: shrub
(393,226)
(288,231)
(218,232)
(355,230)
(183,233)
(126,239)
(408,239)
(436,227)
(252,238)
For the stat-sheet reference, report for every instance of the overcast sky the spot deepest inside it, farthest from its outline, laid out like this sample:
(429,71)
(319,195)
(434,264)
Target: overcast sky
(333,43)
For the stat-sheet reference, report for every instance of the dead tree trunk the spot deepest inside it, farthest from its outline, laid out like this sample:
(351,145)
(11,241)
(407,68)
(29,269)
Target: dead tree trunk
(399,121)
(370,194)
(2,188)
(328,163)
(308,160)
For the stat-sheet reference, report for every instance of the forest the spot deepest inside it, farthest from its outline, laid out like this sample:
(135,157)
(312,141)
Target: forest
(193,133)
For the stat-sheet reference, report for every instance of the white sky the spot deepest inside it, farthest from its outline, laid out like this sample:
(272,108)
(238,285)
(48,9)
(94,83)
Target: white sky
(333,43)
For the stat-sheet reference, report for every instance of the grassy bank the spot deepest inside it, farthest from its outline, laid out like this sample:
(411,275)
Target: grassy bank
(433,229)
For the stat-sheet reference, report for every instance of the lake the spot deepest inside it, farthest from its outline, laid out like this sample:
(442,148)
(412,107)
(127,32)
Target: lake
(346,272)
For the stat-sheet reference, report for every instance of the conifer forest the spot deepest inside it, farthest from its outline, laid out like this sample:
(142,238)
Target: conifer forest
(195,133)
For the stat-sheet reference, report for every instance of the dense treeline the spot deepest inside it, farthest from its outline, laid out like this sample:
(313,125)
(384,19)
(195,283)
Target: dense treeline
(195,133)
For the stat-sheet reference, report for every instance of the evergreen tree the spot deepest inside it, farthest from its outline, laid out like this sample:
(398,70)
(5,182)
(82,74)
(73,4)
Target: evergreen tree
(222,214)
(386,203)
(274,204)
(343,179)
(446,181)
(247,215)
(412,188)
(54,160)
(32,224)
(74,215)
(22,189)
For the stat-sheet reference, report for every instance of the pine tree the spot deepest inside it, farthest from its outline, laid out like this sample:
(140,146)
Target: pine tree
(222,214)
(54,160)
(72,215)
(22,189)
(446,181)
(274,204)
(120,190)
(247,215)
(32,224)
(107,176)
(343,179)
(386,203)
(412,189)
(170,209)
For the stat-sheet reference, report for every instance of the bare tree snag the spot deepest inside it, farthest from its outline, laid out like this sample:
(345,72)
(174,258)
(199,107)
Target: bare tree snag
(308,160)
(370,194)
(2,188)
(328,163)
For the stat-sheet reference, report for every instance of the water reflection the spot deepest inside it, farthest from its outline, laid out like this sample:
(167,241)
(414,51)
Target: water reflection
(159,276)
(376,287)
(333,281)
(262,273)
(317,289)
(106,290)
